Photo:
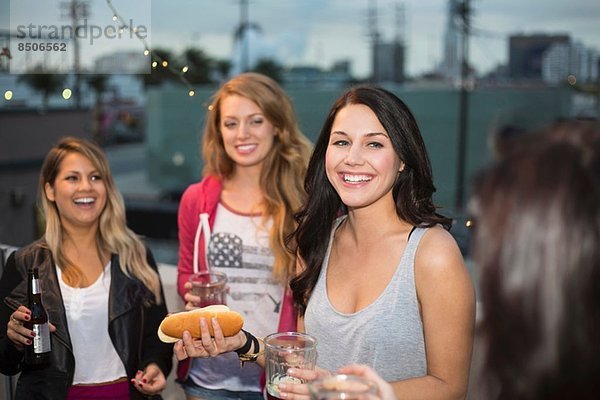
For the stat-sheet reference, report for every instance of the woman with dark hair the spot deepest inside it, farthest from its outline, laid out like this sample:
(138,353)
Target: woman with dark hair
(380,281)
(100,286)
(537,236)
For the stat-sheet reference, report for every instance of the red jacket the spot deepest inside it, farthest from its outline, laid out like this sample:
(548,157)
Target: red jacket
(195,219)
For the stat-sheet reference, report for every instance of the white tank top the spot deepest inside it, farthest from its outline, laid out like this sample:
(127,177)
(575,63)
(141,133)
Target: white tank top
(96,359)
(386,335)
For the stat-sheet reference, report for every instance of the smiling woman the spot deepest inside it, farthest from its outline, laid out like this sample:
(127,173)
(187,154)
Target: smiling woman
(78,192)
(381,282)
(100,286)
(236,219)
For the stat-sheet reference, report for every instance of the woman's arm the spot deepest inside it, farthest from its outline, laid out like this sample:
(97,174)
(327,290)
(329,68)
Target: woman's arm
(187,223)
(447,300)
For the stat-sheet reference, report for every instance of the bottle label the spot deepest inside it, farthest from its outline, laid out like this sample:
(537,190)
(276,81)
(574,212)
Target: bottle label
(41,341)
(35,286)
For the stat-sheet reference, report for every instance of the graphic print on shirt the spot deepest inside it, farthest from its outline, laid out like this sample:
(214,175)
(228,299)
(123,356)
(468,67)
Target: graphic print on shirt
(239,248)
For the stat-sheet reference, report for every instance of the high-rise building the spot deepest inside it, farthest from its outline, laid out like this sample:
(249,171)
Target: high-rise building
(389,62)
(562,60)
(450,67)
(526,53)
(388,57)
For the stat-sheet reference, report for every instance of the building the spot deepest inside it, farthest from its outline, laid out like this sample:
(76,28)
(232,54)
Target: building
(564,60)
(526,53)
(450,67)
(389,62)
(122,62)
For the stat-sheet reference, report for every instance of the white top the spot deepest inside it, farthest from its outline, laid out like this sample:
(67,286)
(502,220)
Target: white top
(96,359)
(239,247)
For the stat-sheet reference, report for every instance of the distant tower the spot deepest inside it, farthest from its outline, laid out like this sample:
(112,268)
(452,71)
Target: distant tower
(451,62)
(375,37)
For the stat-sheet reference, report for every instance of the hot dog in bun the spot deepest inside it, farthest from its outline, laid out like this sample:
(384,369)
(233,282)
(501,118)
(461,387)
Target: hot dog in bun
(172,327)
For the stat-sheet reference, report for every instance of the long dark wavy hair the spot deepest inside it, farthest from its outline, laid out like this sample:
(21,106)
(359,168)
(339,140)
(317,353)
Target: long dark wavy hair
(537,245)
(412,191)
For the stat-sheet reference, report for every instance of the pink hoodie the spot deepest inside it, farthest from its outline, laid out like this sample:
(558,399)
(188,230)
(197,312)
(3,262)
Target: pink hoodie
(195,219)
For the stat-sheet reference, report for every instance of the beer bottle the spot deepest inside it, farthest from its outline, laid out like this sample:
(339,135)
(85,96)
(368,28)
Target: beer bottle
(39,352)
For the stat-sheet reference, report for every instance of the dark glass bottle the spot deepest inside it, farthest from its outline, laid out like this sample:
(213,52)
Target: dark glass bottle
(39,352)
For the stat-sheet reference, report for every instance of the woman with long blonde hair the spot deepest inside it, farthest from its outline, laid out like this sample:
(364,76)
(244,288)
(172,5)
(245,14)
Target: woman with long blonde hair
(237,218)
(100,286)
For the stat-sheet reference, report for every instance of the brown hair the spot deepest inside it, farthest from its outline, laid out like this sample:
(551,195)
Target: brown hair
(283,172)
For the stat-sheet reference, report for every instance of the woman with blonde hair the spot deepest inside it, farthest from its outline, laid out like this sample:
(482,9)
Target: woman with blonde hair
(100,286)
(237,218)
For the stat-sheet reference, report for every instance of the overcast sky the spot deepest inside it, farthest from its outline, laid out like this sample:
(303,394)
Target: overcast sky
(323,31)
(320,32)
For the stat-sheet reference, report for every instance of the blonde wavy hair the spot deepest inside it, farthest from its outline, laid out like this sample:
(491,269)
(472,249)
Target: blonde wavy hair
(113,236)
(283,171)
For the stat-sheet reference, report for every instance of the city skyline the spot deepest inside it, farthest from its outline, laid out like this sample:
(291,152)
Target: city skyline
(321,32)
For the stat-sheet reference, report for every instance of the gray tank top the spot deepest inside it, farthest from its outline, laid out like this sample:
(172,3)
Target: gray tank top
(386,335)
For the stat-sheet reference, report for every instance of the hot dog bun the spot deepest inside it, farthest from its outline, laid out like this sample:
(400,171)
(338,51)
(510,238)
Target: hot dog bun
(172,327)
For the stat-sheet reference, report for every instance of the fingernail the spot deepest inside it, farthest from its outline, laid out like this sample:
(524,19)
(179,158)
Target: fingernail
(140,384)
(28,341)
(26,317)
(32,334)
(144,380)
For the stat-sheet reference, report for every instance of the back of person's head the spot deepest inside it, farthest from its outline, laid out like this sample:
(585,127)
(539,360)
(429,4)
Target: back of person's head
(537,235)
(290,146)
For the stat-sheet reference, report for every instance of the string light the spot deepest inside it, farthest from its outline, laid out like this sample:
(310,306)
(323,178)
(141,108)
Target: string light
(156,58)
(66,94)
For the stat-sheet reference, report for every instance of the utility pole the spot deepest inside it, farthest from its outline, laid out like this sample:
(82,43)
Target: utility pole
(374,34)
(464,11)
(76,10)
(244,31)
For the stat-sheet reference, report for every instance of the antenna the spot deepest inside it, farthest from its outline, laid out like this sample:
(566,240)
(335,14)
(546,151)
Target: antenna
(75,10)
(400,16)
(374,35)
(244,37)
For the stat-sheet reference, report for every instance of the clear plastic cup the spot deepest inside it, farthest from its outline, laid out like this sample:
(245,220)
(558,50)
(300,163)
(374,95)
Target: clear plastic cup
(288,350)
(211,287)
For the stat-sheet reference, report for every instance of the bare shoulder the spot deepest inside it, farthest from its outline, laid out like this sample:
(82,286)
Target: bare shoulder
(438,255)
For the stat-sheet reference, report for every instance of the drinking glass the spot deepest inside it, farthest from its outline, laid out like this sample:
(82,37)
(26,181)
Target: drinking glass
(347,387)
(211,287)
(288,350)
